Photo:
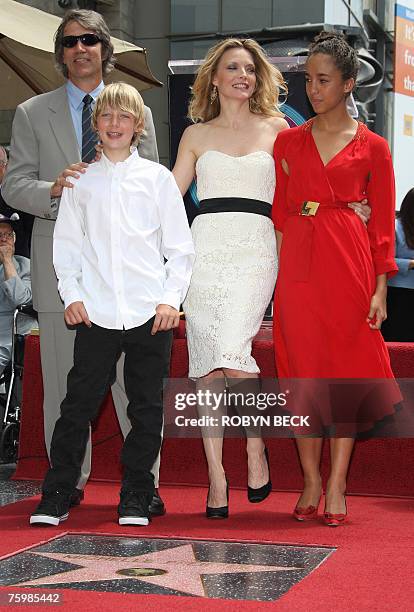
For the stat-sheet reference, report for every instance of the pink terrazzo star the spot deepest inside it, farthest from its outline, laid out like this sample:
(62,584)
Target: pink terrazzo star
(183,571)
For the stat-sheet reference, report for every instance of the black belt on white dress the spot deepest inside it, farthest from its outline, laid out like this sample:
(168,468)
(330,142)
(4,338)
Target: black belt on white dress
(247,205)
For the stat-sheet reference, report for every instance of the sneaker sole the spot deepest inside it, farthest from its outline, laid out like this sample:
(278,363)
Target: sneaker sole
(44,519)
(133,520)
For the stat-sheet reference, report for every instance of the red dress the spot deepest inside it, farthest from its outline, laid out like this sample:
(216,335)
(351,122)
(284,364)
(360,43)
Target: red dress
(329,262)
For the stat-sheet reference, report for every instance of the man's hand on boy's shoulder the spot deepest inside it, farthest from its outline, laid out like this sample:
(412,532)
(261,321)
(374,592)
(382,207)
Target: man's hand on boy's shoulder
(166,317)
(74,171)
(76,313)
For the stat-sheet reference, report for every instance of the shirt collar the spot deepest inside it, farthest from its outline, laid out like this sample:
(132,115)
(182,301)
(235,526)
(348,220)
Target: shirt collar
(108,164)
(76,95)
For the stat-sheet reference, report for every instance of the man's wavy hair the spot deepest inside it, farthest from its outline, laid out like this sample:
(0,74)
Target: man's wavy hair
(90,20)
(269,82)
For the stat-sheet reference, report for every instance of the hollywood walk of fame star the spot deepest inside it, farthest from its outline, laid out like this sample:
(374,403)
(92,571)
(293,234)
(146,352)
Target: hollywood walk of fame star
(180,569)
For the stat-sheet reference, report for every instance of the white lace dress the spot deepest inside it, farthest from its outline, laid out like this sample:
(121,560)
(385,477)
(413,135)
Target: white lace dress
(235,268)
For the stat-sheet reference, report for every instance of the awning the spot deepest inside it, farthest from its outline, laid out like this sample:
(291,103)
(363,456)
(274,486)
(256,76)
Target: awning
(27,56)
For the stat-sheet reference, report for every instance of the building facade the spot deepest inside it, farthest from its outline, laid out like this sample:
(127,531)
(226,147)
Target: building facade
(185,29)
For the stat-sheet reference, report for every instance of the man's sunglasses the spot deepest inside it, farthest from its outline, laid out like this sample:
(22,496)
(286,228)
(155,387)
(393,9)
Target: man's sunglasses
(89,40)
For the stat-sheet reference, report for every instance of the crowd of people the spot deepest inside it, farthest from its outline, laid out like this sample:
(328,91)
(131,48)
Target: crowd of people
(113,257)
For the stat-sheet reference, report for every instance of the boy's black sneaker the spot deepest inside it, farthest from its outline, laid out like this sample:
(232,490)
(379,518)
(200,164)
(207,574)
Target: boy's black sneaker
(76,497)
(157,506)
(53,508)
(133,508)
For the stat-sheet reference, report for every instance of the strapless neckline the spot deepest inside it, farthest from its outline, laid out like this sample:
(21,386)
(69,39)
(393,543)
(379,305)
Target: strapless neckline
(234,156)
(251,176)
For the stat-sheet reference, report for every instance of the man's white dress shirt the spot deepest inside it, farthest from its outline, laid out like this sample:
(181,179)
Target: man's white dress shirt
(113,231)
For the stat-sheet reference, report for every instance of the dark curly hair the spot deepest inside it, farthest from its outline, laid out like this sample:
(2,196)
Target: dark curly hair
(90,20)
(406,216)
(343,55)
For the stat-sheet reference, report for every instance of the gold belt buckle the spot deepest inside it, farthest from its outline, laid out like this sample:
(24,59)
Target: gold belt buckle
(309,209)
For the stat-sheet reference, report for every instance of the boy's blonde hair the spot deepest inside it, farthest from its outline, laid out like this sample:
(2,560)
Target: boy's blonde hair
(123,97)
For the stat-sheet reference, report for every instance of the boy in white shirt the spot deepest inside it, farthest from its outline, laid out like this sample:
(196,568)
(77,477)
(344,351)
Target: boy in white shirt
(115,229)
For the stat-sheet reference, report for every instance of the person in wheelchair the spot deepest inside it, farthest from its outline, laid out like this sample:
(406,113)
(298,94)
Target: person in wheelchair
(15,288)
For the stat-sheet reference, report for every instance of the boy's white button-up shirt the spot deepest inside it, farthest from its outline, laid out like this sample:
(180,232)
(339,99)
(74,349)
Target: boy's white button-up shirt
(113,231)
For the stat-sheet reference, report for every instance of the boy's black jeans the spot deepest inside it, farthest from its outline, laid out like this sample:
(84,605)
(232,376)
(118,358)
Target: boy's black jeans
(95,355)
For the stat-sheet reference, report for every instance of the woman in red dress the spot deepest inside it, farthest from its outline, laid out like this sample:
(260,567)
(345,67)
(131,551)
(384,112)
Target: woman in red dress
(331,289)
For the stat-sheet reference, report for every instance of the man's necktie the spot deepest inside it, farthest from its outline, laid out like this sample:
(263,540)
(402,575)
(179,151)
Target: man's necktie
(89,136)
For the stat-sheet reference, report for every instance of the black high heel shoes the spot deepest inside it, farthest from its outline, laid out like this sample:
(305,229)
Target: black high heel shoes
(258,495)
(218,513)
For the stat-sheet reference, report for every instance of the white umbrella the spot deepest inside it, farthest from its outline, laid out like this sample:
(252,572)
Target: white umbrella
(27,56)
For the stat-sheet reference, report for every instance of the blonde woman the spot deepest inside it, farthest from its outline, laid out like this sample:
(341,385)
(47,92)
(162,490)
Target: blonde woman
(234,108)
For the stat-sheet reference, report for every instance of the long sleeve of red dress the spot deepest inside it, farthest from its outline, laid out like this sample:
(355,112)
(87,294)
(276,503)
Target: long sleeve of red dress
(380,192)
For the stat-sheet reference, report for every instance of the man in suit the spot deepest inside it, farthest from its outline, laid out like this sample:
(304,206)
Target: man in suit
(51,132)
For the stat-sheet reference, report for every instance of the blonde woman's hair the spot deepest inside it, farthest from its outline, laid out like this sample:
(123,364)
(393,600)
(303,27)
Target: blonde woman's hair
(269,82)
(124,97)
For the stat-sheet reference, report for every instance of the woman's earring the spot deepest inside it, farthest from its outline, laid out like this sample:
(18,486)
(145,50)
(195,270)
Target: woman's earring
(213,94)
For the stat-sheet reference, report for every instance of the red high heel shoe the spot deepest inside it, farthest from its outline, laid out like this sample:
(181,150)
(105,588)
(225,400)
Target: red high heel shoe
(335,520)
(305,514)
(309,513)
